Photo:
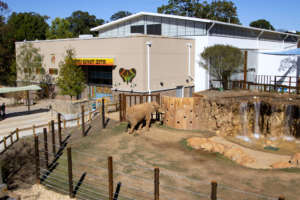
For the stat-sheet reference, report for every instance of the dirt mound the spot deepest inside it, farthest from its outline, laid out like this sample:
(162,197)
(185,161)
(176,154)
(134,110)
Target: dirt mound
(18,164)
(234,153)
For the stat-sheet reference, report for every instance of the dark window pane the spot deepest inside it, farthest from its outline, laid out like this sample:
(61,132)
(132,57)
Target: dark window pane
(137,29)
(154,29)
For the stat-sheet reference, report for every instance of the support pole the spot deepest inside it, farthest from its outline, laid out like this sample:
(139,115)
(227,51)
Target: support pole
(110,177)
(103,113)
(28,100)
(121,107)
(37,158)
(245,68)
(214,186)
(53,137)
(59,128)
(82,121)
(46,148)
(70,173)
(156,184)
(17,134)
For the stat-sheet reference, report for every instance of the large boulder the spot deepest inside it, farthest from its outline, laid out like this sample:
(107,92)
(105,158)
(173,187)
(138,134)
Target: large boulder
(281,165)
(295,159)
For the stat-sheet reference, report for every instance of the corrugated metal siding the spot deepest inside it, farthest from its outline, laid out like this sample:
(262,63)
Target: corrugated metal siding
(170,27)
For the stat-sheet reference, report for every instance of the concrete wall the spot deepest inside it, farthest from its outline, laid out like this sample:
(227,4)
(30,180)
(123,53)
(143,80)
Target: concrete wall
(168,58)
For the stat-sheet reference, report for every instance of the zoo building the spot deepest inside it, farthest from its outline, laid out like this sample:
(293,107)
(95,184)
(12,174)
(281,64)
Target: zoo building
(159,53)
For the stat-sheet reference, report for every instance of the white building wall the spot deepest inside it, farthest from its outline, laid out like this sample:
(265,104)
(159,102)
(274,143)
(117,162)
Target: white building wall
(170,27)
(266,64)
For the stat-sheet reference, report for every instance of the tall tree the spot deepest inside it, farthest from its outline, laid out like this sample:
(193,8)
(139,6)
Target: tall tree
(30,63)
(262,23)
(71,80)
(119,15)
(7,50)
(28,26)
(222,61)
(60,28)
(221,10)
(81,23)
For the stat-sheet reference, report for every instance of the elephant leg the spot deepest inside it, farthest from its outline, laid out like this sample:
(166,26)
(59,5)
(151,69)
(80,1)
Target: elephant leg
(133,124)
(148,119)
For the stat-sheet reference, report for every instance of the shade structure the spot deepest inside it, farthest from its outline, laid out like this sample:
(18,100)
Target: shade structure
(291,52)
(19,89)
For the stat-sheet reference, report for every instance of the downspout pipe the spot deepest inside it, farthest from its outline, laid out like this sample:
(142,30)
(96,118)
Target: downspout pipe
(149,44)
(189,46)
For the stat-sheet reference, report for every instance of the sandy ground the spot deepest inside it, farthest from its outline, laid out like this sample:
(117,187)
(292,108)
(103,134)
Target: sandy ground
(39,192)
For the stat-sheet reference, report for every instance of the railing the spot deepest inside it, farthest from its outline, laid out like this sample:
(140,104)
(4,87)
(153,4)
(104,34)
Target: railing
(266,83)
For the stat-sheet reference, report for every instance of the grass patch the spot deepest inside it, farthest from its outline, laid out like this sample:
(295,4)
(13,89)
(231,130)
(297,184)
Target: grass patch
(185,145)
(290,170)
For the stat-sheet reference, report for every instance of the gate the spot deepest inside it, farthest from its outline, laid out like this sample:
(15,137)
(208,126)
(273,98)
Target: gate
(127,100)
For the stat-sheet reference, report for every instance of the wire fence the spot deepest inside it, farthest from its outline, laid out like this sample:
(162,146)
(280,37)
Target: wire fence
(84,117)
(88,176)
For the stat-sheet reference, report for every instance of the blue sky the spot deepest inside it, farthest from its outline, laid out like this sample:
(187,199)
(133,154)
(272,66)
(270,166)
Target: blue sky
(283,14)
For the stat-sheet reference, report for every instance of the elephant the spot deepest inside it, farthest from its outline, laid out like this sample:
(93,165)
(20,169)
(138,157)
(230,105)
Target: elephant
(137,113)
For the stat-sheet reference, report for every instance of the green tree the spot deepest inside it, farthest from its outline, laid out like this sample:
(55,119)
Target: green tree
(60,28)
(222,10)
(71,80)
(262,23)
(28,26)
(119,15)
(81,23)
(7,49)
(222,61)
(29,63)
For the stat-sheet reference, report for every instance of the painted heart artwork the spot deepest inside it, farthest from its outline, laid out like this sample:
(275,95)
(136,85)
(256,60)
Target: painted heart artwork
(127,74)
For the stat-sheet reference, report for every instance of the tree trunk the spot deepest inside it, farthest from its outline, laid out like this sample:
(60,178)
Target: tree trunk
(225,83)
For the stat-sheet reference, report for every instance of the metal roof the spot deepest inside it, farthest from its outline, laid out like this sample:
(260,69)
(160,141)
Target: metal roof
(184,18)
(19,89)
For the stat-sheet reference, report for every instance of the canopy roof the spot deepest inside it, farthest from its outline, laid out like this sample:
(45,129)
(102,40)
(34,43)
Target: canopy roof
(291,52)
(19,89)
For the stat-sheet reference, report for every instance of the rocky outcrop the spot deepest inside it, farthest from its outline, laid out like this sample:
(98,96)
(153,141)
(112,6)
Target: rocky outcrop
(262,115)
(233,153)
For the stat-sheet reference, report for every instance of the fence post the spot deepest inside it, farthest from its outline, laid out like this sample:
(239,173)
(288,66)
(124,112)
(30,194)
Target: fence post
(275,82)
(110,177)
(281,198)
(17,133)
(141,99)
(46,147)
(290,80)
(53,137)
(65,123)
(82,121)
(70,173)
(4,142)
(156,184)
(121,106)
(214,186)
(103,113)
(78,121)
(37,158)
(33,129)
(59,128)
(11,138)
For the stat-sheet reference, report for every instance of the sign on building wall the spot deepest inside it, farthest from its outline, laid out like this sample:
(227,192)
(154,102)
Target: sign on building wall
(94,61)
(127,74)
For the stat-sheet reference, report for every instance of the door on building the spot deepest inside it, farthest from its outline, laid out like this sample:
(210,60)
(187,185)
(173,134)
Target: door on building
(98,73)
(179,91)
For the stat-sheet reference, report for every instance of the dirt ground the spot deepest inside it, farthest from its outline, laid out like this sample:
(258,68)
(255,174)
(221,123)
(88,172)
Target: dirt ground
(184,173)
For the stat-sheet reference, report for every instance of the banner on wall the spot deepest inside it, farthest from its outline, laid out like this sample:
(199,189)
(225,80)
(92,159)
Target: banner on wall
(94,61)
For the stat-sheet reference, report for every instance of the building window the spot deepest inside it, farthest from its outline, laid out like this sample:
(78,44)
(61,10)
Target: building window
(154,29)
(53,71)
(137,29)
